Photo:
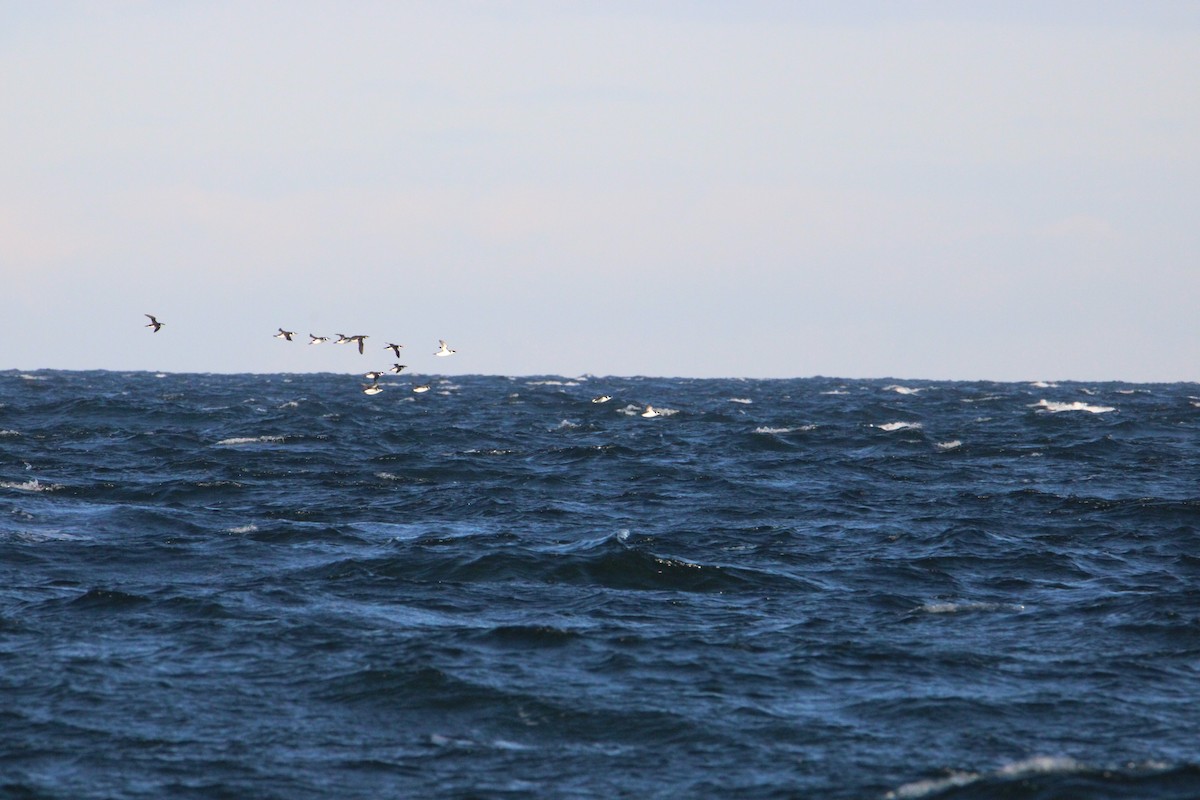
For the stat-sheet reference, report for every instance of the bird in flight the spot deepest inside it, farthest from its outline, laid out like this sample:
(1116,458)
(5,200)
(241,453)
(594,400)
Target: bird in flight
(154,323)
(285,334)
(444,349)
(395,348)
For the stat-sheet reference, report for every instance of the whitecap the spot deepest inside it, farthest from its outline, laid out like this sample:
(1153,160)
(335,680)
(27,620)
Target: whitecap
(898,426)
(953,444)
(955,608)
(31,485)
(251,528)
(566,424)
(10,433)
(925,788)
(1057,408)
(236,440)
(27,377)
(1037,765)
(767,429)
(290,404)
(1040,765)
(745,400)
(900,389)
(1044,385)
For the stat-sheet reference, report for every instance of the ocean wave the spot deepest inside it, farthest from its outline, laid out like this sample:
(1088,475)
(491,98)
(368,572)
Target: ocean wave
(1052,407)
(770,430)
(31,485)
(958,608)
(1059,776)
(952,444)
(898,389)
(240,440)
(899,426)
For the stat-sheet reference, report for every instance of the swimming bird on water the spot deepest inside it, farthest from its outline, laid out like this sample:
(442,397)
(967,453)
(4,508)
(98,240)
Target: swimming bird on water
(372,388)
(444,349)
(650,412)
(395,348)
(154,323)
(360,338)
(317,339)
(285,334)
(604,398)
(424,387)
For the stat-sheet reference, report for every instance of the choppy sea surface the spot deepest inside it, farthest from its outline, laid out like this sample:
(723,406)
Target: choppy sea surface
(275,586)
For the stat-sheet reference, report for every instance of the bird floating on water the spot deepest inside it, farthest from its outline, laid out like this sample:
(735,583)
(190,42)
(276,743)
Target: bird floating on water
(444,349)
(650,412)
(154,323)
(424,387)
(372,388)
(604,398)
(285,334)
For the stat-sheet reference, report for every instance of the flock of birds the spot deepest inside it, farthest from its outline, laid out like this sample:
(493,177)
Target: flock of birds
(373,387)
(360,339)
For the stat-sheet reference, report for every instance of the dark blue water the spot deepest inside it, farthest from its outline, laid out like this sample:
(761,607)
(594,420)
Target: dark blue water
(217,586)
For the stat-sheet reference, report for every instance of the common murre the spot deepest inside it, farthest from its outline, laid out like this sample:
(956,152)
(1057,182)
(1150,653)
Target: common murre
(285,334)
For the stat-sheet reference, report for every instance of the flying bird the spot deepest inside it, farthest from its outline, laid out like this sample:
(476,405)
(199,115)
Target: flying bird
(154,323)
(444,349)
(398,368)
(285,334)
(395,348)
(317,339)
(360,338)
(373,376)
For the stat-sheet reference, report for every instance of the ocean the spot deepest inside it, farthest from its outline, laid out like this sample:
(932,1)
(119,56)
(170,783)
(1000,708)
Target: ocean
(276,586)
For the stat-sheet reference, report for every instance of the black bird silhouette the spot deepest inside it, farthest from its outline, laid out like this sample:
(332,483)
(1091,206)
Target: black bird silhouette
(154,323)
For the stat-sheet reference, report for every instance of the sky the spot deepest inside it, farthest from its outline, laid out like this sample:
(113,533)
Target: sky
(927,190)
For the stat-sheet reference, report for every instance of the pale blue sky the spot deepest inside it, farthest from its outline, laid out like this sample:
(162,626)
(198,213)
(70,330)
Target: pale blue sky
(925,190)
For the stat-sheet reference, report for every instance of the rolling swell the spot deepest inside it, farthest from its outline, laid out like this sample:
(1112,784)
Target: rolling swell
(272,586)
